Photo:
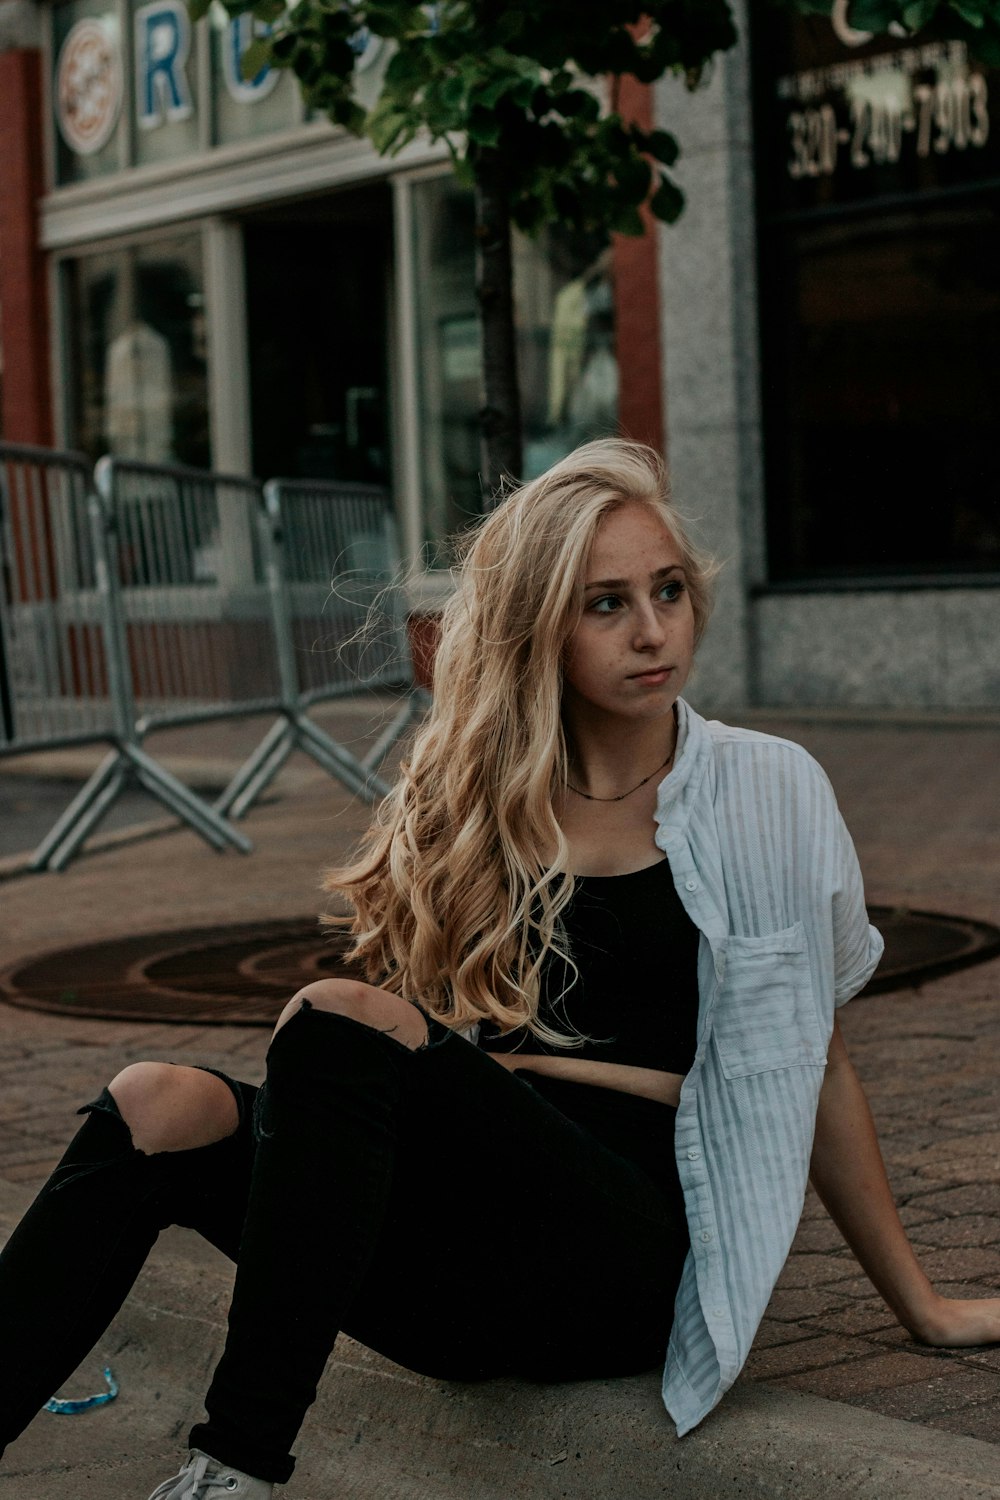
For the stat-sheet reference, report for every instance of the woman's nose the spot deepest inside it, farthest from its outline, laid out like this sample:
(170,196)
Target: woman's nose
(650,628)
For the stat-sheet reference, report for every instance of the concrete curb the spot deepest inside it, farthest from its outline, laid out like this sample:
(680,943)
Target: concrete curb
(381,1431)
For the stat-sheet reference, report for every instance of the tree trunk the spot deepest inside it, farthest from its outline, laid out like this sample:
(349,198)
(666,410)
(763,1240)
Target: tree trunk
(500,413)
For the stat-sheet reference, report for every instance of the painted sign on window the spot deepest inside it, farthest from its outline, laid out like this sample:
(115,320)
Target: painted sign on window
(844,116)
(162,54)
(160,48)
(88,85)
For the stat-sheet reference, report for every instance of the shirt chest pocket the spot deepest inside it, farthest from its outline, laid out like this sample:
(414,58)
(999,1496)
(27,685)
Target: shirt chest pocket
(765,1016)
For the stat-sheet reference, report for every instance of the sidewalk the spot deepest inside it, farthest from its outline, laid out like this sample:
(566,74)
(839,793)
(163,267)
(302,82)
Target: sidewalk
(923,802)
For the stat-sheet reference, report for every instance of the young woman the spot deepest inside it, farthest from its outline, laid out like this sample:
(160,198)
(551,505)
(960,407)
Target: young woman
(604,941)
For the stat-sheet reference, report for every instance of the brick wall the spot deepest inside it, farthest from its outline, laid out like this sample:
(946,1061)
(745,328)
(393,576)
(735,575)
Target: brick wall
(637,305)
(25,390)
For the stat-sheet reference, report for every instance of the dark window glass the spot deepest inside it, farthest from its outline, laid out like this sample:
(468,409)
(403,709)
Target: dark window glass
(139,379)
(317,304)
(880,316)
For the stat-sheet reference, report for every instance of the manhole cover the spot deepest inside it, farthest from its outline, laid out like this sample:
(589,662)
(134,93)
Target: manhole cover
(240,975)
(244,974)
(921,945)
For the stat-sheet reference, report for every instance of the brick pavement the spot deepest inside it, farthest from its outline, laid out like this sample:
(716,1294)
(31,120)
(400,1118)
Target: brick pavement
(923,804)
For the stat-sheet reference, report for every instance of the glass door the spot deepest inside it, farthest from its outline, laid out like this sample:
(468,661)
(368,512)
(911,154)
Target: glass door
(317,276)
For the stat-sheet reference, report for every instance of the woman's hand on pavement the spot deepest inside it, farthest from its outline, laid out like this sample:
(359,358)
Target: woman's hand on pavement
(958,1323)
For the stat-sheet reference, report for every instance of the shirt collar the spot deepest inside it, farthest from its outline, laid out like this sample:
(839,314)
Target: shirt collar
(678,791)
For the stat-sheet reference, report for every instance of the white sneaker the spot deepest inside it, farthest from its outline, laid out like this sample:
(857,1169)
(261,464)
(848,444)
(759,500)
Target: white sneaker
(204,1478)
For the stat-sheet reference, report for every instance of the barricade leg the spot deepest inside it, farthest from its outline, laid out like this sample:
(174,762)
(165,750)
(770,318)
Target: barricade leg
(65,826)
(340,763)
(257,772)
(193,810)
(298,732)
(64,852)
(102,790)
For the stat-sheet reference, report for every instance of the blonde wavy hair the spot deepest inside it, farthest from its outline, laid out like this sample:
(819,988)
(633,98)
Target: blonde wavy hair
(458,886)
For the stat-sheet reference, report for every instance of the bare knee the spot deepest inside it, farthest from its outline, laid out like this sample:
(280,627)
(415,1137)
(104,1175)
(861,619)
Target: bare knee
(171,1108)
(362,1002)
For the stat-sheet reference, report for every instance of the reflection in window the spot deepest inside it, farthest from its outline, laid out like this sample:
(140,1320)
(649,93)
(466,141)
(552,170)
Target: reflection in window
(883,387)
(139,370)
(565,327)
(569,373)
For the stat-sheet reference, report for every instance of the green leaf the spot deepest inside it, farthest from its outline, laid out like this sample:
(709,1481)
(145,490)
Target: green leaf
(578,104)
(337,22)
(970,13)
(407,69)
(391,19)
(484,128)
(663,146)
(917,15)
(452,93)
(463,169)
(269,10)
(256,57)
(667,203)
(488,95)
(628,220)
(509,26)
(634,175)
(348,113)
(283,49)
(386,126)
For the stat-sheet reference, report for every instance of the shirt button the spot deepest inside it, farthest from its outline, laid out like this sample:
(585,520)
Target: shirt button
(693,1154)
(691,885)
(706,1235)
(718,1312)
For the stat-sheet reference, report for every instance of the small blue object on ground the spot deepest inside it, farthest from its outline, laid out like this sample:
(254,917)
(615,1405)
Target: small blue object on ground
(84,1403)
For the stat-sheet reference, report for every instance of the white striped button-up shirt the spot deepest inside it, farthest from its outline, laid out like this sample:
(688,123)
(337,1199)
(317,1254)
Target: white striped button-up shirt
(767,872)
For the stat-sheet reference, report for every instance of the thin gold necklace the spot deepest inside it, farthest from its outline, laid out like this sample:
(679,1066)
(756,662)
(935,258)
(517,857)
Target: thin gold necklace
(622,795)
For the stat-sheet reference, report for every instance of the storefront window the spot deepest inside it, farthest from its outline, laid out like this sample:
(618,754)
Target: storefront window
(139,371)
(565,327)
(880,289)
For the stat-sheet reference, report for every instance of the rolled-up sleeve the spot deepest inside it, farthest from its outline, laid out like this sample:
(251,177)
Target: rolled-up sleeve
(857,945)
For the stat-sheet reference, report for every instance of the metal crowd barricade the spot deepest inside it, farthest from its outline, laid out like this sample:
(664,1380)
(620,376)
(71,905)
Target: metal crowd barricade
(333,572)
(57,678)
(63,672)
(54,685)
(194,601)
(195,635)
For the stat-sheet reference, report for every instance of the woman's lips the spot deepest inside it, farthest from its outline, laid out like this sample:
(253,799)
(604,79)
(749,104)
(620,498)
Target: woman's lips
(657,675)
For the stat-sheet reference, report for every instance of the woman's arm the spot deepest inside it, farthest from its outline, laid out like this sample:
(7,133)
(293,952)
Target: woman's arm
(849,1175)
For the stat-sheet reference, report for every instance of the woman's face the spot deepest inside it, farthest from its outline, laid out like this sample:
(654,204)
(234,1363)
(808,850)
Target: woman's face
(631,653)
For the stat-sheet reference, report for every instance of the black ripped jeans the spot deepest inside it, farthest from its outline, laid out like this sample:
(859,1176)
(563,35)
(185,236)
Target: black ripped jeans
(463,1221)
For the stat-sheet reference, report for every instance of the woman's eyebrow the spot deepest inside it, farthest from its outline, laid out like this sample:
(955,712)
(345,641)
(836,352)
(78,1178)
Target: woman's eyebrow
(623,583)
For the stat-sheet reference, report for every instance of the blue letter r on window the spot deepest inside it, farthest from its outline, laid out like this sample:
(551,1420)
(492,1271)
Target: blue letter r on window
(162,47)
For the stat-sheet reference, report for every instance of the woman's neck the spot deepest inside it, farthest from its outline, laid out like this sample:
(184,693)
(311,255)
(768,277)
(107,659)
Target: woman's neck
(609,761)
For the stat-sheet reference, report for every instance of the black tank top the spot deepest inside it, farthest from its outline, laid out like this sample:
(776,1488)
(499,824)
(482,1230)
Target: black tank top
(635,997)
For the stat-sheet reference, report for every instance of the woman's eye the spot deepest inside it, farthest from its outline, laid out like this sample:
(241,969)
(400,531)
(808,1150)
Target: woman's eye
(606,605)
(672,591)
